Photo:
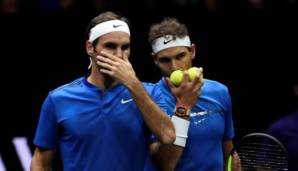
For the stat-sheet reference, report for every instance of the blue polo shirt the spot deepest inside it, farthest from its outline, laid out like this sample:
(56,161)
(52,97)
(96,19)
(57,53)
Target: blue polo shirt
(210,124)
(95,130)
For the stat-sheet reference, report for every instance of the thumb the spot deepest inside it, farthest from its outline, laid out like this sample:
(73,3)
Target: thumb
(169,83)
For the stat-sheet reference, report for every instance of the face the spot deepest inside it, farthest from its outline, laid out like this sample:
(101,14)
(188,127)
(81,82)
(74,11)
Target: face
(116,43)
(171,59)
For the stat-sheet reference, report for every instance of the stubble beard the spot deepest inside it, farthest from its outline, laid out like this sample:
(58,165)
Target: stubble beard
(107,80)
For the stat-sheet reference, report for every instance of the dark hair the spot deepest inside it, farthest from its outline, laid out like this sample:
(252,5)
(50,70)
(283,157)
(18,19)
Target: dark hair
(105,16)
(169,26)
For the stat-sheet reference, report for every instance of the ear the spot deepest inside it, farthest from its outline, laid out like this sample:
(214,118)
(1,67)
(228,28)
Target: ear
(155,58)
(89,48)
(193,51)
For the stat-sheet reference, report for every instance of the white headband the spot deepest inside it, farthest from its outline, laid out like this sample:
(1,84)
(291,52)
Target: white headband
(107,27)
(168,41)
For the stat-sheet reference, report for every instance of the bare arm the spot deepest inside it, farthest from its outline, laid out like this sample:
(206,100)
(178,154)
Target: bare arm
(157,121)
(121,70)
(165,156)
(228,147)
(42,160)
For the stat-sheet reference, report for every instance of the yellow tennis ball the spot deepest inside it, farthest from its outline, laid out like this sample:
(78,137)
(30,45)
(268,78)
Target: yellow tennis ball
(192,72)
(176,77)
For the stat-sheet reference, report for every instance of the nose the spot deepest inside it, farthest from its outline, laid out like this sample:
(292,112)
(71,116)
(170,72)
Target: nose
(119,53)
(174,64)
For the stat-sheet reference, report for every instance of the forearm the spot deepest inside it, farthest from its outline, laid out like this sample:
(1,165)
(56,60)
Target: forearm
(38,166)
(227,148)
(167,157)
(157,121)
(42,160)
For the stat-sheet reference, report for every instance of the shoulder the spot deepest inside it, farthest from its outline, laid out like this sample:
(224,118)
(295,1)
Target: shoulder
(214,86)
(66,88)
(151,88)
(148,84)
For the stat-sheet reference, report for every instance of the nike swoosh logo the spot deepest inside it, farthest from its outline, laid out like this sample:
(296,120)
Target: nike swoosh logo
(126,101)
(115,26)
(167,41)
(199,121)
(193,114)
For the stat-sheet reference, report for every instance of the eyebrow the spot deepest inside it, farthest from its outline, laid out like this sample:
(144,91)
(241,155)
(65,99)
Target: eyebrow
(116,44)
(126,45)
(181,54)
(170,58)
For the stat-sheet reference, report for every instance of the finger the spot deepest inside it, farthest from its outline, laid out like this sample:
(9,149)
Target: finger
(201,73)
(108,72)
(108,61)
(236,162)
(198,86)
(105,65)
(105,60)
(169,83)
(109,56)
(185,77)
(198,82)
(198,77)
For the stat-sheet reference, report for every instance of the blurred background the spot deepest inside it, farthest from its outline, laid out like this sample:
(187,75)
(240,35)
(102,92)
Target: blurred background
(249,45)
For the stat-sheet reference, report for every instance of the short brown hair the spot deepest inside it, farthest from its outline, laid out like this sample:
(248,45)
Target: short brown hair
(169,26)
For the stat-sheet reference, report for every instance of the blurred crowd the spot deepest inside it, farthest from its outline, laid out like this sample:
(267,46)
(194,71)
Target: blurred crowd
(9,7)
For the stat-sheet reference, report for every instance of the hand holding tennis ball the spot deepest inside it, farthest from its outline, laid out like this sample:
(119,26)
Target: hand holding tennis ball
(177,76)
(192,72)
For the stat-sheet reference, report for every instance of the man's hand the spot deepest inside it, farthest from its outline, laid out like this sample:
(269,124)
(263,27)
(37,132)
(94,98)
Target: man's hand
(118,68)
(187,93)
(236,164)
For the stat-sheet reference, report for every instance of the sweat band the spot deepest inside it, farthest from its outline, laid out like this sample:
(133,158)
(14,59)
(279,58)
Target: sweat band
(181,129)
(107,27)
(169,41)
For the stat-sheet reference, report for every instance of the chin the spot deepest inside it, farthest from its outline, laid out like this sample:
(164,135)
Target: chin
(165,74)
(108,80)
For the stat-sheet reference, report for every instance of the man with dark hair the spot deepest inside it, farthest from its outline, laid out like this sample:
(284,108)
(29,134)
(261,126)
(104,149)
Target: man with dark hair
(102,121)
(208,130)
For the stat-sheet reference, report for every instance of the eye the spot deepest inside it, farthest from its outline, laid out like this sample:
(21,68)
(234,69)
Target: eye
(125,47)
(110,45)
(180,56)
(164,60)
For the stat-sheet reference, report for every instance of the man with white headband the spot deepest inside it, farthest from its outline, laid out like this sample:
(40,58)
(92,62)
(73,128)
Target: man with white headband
(102,121)
(204,119)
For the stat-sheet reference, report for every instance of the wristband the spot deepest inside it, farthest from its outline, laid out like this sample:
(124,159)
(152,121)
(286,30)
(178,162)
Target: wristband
(181,129)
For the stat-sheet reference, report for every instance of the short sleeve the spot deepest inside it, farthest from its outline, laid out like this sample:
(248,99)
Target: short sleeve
(46,133)
(229,127)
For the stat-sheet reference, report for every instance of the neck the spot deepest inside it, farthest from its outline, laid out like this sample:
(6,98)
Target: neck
(100,80)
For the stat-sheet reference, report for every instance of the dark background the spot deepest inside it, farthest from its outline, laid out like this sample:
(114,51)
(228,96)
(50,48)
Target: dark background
(250,48)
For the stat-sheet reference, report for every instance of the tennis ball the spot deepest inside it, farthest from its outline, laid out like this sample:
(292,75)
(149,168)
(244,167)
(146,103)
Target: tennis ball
(176,77)
(192,72)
